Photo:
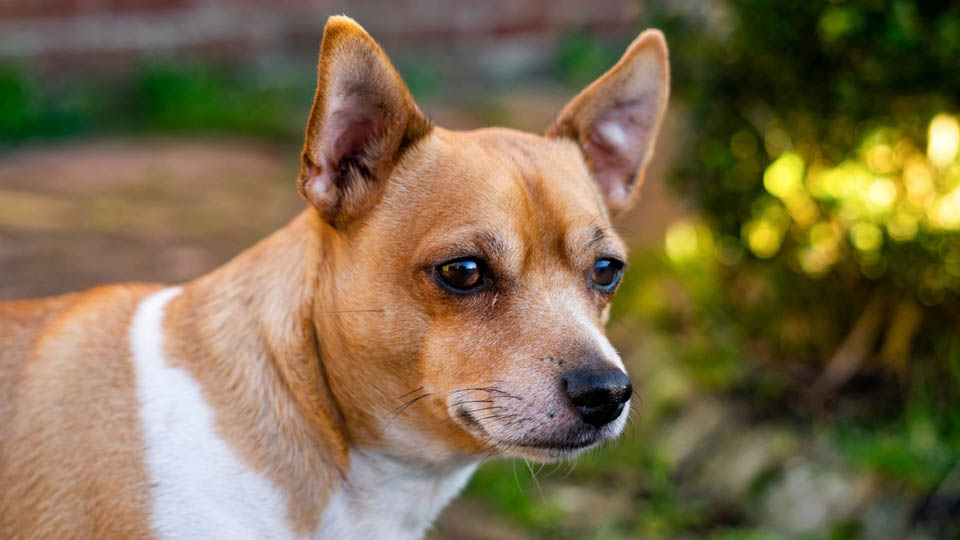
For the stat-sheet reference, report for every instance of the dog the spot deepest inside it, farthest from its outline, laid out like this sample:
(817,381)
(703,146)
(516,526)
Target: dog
(440,301)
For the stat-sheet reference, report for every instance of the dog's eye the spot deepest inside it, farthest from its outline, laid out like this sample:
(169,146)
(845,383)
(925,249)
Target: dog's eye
(461,275)
(606,274)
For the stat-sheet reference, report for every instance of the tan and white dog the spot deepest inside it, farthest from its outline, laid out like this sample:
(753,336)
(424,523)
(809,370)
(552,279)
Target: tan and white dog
(440,301)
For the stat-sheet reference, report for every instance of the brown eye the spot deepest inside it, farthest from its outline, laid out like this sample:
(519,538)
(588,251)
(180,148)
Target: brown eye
(460,275)
(606,274)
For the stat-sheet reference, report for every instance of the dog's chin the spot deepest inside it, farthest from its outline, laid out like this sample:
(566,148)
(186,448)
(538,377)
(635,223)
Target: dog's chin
(546,450)
(549,452)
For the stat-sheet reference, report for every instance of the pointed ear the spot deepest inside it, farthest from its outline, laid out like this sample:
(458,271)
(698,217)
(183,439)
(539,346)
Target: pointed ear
(616,119)
(362,120)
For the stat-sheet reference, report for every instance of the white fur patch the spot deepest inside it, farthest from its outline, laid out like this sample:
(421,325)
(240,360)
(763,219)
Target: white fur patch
(200,488)
(600,339)
(385,498)
(610,353)
(615,134)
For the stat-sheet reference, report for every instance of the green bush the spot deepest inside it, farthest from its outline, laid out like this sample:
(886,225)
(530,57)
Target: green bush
(823,155)
(822,152)
(160,96)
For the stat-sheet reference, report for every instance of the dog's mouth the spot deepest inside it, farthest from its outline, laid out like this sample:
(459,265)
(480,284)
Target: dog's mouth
(537,449)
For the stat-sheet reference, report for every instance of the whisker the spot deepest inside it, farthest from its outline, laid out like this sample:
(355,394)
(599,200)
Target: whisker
(478,389)
(533,476)
(404,407)
(556,467)
(491,453)
(486,408)
(410,392)
(524,419)
(515,477)
(484,448)
(491,417)
(488,451)
(452,405)
(573,465)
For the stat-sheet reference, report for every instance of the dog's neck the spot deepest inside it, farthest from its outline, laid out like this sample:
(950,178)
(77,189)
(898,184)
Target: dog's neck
(261,304)
(386,497)
(254,322)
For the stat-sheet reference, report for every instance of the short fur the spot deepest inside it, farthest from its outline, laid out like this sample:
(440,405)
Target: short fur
(323,384)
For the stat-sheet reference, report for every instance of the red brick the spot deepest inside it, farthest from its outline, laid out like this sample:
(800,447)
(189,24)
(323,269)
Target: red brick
(143,6)
(21,9)
(397,23)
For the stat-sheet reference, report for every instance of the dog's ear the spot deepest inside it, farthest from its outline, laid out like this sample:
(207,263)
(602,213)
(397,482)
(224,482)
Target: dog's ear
(363,118)
(615,120)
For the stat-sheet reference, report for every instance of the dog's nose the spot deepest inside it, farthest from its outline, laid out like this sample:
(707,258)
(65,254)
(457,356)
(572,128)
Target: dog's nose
(598,394)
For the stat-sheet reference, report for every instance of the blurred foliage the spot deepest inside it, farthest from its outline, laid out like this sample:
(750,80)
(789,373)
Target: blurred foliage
(825,145)
(822,148)
(25,114)
(172,96)
(165,97)
(190,99)
(582,57)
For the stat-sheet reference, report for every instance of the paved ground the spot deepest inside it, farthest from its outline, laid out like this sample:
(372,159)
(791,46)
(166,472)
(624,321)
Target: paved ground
(77,215)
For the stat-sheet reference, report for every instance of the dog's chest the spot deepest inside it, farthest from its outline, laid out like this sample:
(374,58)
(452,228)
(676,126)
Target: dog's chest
(382,498)
(202,489)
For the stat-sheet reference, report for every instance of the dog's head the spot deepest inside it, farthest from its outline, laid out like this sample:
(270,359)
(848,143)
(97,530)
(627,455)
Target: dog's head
(467,276)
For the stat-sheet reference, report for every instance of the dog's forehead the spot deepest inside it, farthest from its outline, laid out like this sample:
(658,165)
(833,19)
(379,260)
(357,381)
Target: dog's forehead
(500,175)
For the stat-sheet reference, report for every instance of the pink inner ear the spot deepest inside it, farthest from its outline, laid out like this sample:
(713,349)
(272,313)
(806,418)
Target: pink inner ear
(353,126)
(320,187)
(617,144)
(609,162)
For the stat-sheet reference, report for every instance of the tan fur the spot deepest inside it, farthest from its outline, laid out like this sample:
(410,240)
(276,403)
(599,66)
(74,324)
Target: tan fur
(541,168)
(640,78)
(245,333)
(332,333)
(349,58)
(70,454)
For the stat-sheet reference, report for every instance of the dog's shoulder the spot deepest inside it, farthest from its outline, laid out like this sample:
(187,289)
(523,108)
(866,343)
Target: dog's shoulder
(65,375)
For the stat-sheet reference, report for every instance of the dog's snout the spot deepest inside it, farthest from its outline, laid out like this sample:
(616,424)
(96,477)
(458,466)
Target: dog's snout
(598,395)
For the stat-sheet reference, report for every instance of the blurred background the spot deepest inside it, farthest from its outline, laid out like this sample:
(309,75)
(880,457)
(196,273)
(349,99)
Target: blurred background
(791,312)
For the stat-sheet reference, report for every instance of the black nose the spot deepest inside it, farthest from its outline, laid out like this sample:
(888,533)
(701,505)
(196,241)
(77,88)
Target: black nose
(598,394)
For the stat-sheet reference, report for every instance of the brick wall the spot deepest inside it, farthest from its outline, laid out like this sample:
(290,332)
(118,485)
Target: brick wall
(107,34)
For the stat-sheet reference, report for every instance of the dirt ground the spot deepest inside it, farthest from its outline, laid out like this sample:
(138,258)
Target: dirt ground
(77,215)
